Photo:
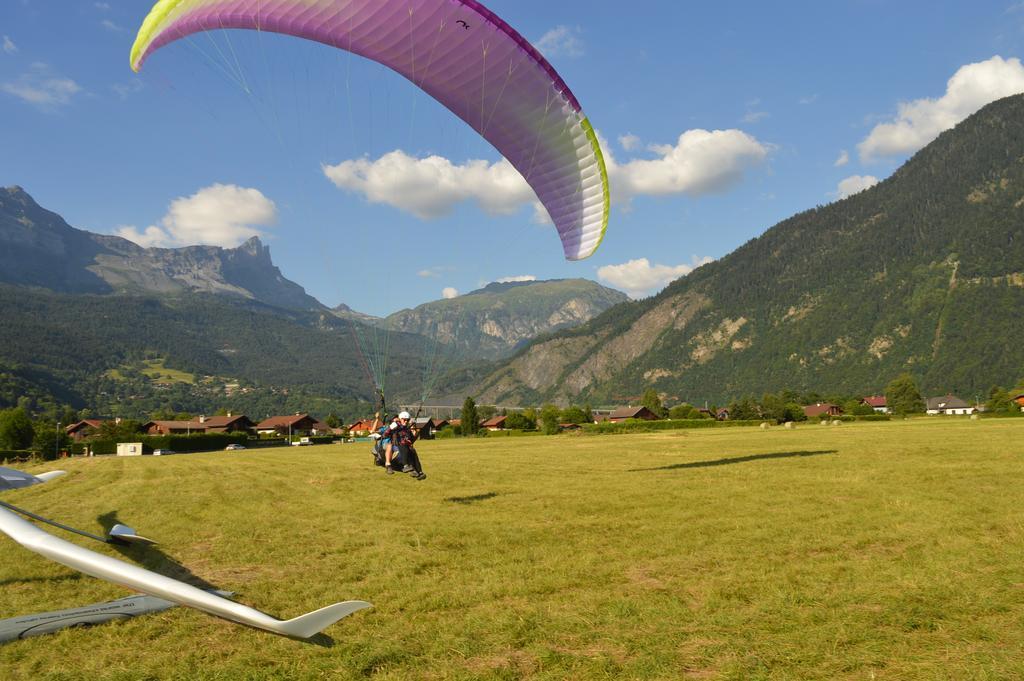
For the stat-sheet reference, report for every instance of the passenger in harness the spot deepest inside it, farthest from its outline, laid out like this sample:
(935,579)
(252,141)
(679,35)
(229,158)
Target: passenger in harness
(402,449)
(382,448)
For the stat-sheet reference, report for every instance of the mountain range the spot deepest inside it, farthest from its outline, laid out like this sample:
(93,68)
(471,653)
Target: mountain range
(494,321)
(38,248)
(97,320)
(922,273)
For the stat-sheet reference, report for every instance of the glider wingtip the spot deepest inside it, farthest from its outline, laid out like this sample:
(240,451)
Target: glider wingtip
(312,623)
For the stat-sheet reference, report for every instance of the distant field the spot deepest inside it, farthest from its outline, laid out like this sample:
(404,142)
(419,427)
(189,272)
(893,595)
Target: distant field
(861,551)
(155,370)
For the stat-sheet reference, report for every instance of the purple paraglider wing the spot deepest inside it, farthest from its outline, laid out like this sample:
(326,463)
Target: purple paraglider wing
(462,55)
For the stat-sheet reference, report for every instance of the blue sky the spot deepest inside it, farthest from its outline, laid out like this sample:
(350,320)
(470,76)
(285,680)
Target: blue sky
(718,120)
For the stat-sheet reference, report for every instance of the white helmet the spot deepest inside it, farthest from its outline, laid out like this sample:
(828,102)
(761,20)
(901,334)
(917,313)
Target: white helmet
(404,415)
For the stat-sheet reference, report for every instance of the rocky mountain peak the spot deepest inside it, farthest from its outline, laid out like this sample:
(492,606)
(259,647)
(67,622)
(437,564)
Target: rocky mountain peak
(38,248)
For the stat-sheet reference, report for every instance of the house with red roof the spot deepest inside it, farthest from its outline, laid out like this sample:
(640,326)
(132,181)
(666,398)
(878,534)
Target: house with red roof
(623,413)
(173,427)
(822,409)
(293,424)
(81,430)
(877,402)
(229,423)
(494,423)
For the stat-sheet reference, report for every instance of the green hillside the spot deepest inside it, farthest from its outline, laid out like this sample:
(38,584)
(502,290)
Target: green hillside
(493,321)
(921,273)
(126,355)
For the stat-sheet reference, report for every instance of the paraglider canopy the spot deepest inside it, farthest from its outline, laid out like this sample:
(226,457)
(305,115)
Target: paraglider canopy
(461,54)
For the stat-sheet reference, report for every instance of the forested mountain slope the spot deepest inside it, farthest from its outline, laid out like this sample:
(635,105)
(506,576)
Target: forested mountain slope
(493,321)
(923,272)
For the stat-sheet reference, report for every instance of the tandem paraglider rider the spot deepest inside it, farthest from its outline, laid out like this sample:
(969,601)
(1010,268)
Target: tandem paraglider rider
(403,452)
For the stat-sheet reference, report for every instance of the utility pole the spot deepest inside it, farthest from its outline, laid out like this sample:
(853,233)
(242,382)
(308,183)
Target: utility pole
(56,445)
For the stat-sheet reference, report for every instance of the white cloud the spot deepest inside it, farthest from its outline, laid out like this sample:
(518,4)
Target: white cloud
(125,90)
(629,142)
(844,158)
(639,277)
(919,122)
(561,41)
(755,116)
(218,215)
(521,277)
(9,46)
(448,292)
(855,184)
(701,162)
(41,87)
(103,6)
(111,26)
(809,99)
(431,187)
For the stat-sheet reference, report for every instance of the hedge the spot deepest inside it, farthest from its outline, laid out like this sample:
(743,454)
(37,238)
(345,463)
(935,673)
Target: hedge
(511,432)
(205,442)
(20,455)
(641,426)
(864,417)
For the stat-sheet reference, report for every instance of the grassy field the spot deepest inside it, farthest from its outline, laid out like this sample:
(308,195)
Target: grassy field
(861,551)
(155,370)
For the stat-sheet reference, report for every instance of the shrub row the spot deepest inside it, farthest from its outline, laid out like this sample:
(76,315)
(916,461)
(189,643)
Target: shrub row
(446,433)
(20,455)
(205,442)
(864,417)
(641,426)
(507,433)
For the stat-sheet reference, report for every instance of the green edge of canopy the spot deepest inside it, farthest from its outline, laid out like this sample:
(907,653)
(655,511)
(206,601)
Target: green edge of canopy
(596,146)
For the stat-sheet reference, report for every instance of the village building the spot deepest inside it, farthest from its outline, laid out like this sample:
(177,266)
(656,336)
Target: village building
(361,428)
(494,423)
(1019,399)
(623,413)
(81,430)
(822,409)
(720,414)
(950,405)
(877,402)
(425,427)
(173,427)
(295,424)
(229,423)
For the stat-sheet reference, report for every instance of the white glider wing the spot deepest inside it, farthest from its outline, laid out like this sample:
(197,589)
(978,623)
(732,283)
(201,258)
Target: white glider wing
(137,578)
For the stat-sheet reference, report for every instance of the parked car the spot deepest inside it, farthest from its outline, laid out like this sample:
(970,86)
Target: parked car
(232,447)
(162,452)
(302,442)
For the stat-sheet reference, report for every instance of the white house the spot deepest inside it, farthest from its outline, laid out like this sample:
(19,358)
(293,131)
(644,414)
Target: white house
(950,404)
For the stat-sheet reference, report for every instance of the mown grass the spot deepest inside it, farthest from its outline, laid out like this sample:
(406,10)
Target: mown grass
(155,370)
(862,551)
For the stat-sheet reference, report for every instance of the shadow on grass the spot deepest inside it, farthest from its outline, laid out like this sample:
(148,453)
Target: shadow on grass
(735,459)
(473,499)
(159,562)
(152,557)
(52,580)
